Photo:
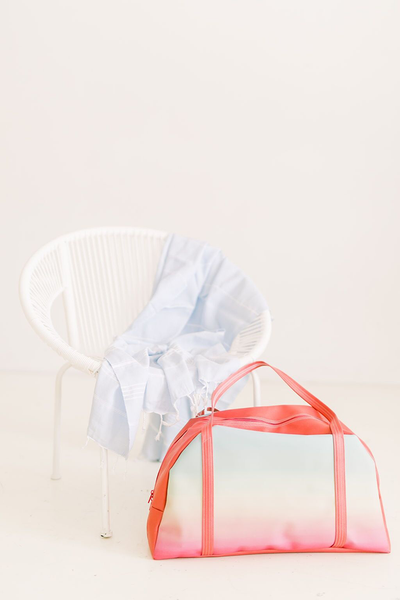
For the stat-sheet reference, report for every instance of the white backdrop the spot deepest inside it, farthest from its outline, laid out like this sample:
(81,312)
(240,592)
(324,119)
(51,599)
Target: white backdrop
(269,129)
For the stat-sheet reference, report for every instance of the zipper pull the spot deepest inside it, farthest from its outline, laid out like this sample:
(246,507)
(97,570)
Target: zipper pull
(150,497)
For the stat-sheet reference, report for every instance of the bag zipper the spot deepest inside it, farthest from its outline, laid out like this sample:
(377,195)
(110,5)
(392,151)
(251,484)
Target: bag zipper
(270,421)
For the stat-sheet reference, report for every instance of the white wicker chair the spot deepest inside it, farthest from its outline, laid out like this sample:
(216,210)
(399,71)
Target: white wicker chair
(105,276)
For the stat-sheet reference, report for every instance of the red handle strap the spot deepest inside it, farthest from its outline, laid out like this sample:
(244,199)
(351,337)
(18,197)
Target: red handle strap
(337,434)
(322,408)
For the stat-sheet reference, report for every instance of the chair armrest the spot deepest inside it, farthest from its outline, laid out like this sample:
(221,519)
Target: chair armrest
(251,342)
(36,305)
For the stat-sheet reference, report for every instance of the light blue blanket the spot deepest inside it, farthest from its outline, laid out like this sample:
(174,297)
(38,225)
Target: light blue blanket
(176,351)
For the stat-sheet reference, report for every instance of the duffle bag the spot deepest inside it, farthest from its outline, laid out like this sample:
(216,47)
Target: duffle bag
(266,479)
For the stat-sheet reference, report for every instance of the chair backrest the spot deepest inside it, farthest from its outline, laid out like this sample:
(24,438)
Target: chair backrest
(106,278)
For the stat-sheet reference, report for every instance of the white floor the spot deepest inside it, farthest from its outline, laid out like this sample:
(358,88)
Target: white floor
(50,529)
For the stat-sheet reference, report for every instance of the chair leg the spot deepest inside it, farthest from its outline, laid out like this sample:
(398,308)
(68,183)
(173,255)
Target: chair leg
(56,473)
(256,389)
(105,495)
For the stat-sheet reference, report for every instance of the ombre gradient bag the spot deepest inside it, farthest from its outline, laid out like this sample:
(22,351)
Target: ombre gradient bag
(266,479)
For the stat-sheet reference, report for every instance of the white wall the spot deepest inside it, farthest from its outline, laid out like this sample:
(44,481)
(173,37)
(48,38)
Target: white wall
(270,129)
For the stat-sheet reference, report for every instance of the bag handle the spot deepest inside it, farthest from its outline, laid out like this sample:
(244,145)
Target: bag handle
(337,434)
(322,408)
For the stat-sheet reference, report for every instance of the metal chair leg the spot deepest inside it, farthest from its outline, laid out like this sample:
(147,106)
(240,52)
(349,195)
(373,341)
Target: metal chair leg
(256,389)
(105,495)
(56,473)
